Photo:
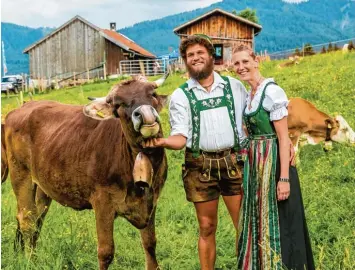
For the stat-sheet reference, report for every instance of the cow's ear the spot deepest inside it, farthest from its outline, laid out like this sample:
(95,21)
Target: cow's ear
(99,110)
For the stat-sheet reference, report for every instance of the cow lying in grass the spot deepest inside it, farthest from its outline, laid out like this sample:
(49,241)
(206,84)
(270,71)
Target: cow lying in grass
(305,121)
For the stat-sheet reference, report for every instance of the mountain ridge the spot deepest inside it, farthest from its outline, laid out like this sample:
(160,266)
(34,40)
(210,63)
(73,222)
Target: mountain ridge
(285,26)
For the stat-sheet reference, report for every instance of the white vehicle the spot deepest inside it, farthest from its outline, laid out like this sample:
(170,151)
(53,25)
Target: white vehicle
(11,83)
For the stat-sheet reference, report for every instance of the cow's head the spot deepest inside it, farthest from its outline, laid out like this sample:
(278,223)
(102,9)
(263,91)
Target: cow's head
(136,103)
(340,131)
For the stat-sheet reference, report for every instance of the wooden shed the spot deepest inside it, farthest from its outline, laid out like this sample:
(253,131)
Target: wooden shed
(225,29)
(82,48)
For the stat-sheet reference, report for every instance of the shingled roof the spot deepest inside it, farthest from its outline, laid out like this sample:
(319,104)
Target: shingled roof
(256,26)
(120,38)
(116,38)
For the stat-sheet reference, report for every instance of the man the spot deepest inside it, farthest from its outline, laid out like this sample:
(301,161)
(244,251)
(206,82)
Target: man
(206,117)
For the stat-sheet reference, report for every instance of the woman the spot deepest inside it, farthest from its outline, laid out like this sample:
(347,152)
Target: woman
(272,227)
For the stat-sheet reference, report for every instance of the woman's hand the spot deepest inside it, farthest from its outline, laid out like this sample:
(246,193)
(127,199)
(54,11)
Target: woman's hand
(283,190)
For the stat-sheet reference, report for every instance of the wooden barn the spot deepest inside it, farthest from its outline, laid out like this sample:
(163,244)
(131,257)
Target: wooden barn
(81,48)
(225,29)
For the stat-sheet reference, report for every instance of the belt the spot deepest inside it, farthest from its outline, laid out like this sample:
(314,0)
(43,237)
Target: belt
(214,154)
(263,136)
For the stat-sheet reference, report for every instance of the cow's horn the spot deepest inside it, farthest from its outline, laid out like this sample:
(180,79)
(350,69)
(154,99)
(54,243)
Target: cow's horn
(142,171)
(98,99)
(160,81)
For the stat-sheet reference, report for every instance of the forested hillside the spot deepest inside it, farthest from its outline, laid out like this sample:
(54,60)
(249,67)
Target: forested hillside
(285,26)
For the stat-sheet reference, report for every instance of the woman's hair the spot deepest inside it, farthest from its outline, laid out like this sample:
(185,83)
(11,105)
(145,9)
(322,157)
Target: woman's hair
(244,48)
(200,39)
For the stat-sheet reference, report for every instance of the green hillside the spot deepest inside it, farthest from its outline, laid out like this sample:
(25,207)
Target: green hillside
(68,239)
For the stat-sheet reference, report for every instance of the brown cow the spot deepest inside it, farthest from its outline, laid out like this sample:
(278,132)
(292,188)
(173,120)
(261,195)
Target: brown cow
(306,121)
(57,152)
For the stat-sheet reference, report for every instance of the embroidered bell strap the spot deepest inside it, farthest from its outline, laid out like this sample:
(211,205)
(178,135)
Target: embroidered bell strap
(196,106)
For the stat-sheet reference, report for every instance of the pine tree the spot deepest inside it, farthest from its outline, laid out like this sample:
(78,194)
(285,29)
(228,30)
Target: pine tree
(330,47)
(297,52)
(324,50)
(249,14)
(308,49)
(351,46)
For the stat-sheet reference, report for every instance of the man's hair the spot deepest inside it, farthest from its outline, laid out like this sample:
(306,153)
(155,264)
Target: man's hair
(244,48)
(200,39)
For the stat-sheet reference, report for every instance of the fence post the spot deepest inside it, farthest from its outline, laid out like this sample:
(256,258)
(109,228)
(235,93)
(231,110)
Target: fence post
(105,71)
(21,97)
(23,82)
(26,86)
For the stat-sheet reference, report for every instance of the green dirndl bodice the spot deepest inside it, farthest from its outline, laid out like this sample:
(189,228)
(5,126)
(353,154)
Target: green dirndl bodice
(259,233)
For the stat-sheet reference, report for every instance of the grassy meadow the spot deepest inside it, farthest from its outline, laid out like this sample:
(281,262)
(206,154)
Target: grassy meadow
(68,238)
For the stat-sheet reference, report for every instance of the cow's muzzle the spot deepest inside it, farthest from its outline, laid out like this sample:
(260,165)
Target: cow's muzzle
(142,171)
(146,121)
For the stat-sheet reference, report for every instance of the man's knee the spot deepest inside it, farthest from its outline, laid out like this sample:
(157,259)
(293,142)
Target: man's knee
(208,229)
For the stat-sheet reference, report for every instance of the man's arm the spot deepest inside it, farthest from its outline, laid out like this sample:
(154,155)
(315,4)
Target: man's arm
(174,142)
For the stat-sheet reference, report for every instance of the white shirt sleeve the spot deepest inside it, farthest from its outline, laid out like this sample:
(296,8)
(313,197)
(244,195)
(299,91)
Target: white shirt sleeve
(275,102)
(179,113)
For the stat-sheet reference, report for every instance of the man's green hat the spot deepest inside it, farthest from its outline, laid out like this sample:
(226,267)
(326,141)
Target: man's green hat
(204,37)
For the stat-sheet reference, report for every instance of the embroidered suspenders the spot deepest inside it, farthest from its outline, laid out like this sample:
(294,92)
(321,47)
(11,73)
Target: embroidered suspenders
(197,106)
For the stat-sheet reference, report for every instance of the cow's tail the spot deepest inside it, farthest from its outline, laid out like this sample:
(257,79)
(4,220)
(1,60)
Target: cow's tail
(4,163)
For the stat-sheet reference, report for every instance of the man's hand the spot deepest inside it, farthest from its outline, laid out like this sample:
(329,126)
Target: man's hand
(174,142)
(153,143)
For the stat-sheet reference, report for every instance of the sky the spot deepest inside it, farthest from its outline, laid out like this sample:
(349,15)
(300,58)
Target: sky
(53,13)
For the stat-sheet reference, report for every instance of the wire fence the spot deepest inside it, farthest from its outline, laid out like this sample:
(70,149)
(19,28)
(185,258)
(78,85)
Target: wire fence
(308,49)
(149,67)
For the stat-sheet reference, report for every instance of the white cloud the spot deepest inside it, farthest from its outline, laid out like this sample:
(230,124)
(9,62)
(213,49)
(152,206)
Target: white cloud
(53,13)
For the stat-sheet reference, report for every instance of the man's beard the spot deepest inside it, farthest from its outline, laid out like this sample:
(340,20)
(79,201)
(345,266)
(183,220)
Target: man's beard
(203,73)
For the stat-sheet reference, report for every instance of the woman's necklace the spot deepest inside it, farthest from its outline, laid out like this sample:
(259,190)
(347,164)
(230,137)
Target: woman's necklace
(252,93)
(256,86)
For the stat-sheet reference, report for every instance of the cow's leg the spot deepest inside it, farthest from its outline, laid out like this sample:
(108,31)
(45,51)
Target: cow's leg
(105,216)
(149,243)
(25,192)
(42,204)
